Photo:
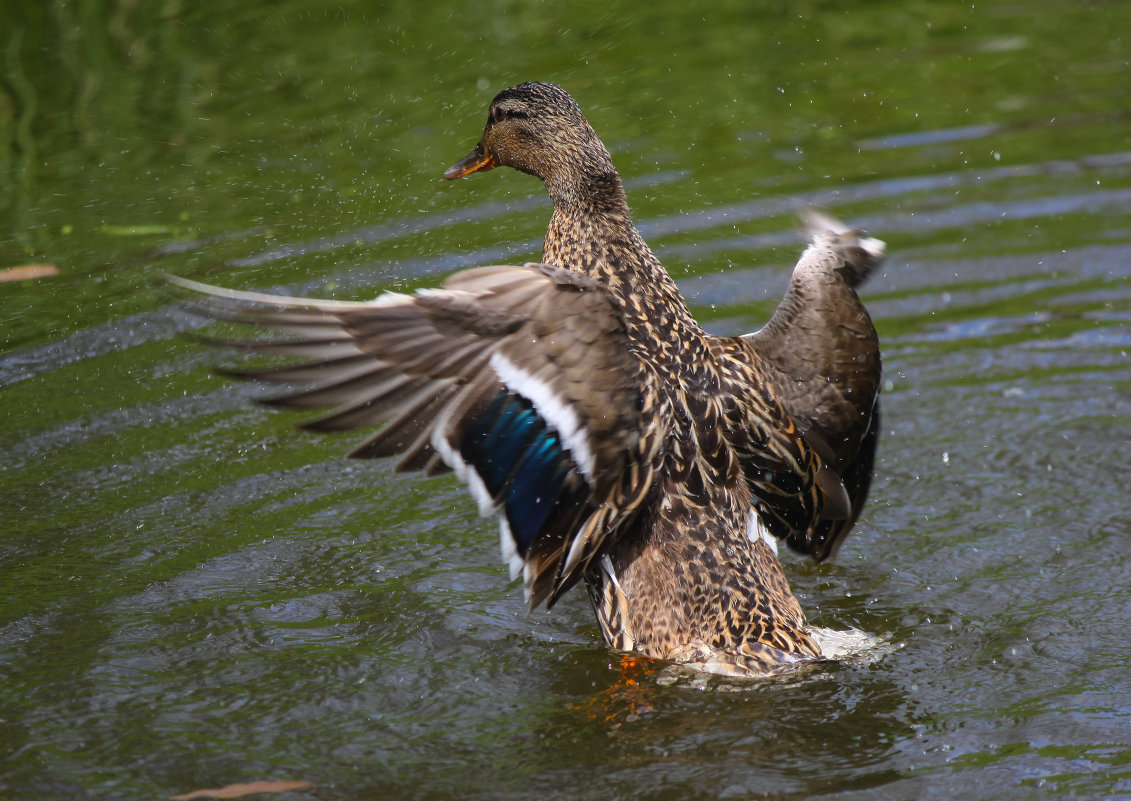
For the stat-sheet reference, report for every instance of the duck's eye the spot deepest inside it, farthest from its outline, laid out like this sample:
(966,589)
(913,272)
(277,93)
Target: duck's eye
(498,114)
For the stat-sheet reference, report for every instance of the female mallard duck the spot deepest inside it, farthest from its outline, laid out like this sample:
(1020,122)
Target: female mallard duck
(615,440)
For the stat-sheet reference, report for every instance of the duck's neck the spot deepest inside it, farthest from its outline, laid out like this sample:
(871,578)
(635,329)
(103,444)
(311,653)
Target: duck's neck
(590,220)
(591,231)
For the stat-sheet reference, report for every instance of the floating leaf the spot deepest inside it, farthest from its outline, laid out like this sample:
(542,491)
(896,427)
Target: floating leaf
(27,272)
(238,790)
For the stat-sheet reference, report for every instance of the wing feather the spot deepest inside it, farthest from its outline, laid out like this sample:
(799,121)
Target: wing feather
(520,379)
(826,369)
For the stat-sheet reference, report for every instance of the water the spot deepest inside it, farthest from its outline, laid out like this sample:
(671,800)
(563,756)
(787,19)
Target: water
(194,594)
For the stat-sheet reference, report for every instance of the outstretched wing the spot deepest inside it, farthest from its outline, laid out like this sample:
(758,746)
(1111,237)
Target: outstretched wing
(826,356)
(517,378)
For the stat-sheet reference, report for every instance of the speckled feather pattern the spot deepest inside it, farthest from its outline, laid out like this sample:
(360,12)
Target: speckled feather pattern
(615,441)
(687,570)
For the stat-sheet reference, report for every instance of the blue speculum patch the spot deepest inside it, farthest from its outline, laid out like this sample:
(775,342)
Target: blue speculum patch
(520,460)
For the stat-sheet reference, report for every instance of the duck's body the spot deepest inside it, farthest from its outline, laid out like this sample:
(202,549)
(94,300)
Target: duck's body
(618,443)
(686,577)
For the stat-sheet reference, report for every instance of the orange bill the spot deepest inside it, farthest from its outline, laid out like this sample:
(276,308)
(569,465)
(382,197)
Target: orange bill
(479,161)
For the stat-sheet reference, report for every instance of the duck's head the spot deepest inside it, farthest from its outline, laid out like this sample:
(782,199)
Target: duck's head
(539,129)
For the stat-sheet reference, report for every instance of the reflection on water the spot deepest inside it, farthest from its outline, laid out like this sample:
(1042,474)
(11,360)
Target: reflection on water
(195,595)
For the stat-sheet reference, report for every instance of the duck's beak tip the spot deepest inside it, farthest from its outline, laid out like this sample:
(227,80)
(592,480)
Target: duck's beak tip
(479,161)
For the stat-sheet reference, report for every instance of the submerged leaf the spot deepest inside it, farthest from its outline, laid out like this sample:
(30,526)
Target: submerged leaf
(238,790)
(27,272)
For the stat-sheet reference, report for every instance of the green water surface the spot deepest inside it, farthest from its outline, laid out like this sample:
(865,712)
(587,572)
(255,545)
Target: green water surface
(192,594)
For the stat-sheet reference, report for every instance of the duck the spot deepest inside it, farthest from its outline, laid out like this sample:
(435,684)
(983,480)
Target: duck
(619,445)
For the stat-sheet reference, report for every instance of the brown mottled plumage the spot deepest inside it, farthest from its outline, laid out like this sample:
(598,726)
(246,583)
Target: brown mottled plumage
(616,441)
(827,354)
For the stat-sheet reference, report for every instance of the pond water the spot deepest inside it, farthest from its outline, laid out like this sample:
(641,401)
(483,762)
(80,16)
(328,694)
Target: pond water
(193,594)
